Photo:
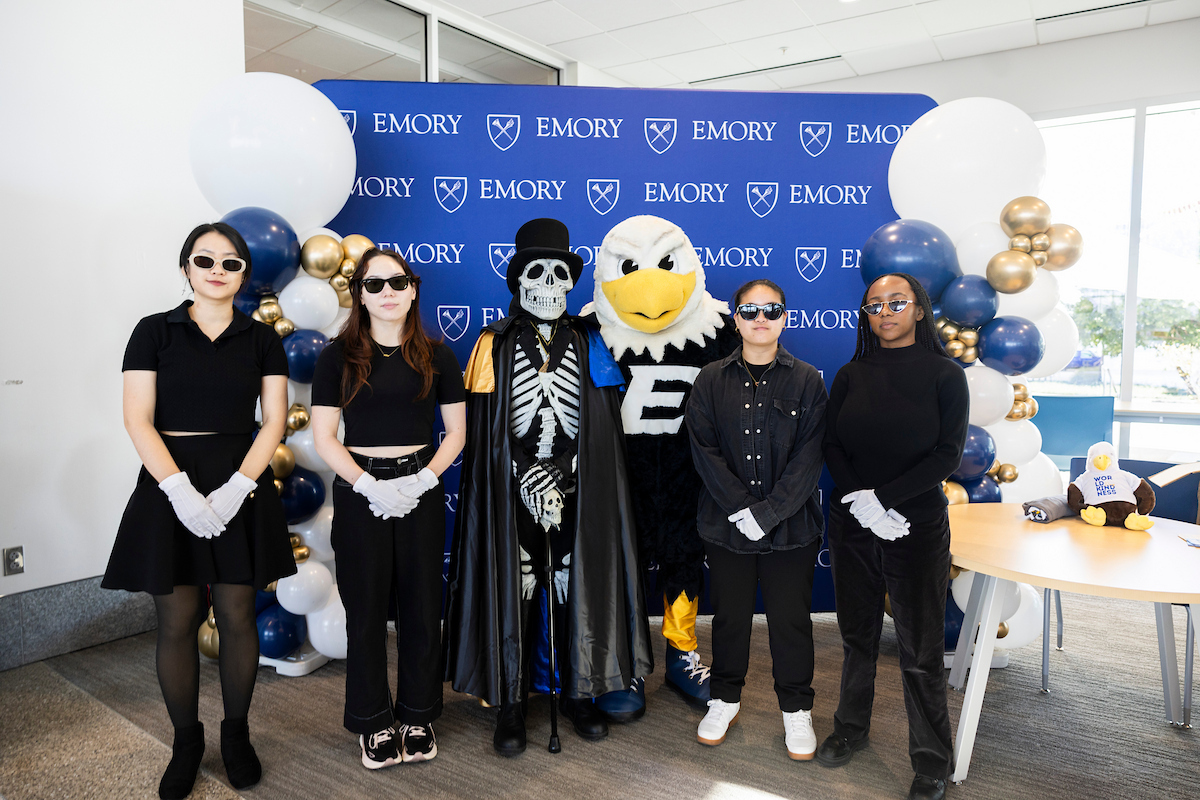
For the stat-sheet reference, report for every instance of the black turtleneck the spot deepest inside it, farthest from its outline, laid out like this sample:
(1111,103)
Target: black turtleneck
(896,423)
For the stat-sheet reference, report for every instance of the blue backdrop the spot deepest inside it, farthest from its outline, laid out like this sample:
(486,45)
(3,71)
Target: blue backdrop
(784,186)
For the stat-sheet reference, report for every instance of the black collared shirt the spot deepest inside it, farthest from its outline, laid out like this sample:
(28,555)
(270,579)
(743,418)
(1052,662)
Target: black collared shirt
(205,385)
(759,447)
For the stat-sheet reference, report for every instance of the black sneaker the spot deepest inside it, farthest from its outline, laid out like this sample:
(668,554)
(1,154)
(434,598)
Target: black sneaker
(380,749)
(419,743)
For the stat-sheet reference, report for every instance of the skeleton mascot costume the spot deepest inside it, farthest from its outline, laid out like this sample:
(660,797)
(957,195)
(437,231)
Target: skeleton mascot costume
(544,461)
(662,326)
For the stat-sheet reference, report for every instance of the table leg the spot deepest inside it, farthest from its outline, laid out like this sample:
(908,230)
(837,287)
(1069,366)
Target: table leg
(1046,643)
(1058,611)
(1188,650)
(1167,660)
(981,661)
(966,635)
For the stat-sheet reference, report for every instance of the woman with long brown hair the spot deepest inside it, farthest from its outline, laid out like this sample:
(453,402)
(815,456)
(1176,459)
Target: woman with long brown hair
(386,376)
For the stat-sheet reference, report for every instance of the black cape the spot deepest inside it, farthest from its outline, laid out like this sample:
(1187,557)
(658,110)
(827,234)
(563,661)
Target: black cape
(609,633)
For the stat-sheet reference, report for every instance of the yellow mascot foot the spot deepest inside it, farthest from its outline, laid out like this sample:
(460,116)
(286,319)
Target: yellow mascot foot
(1094,516)
(1138,522)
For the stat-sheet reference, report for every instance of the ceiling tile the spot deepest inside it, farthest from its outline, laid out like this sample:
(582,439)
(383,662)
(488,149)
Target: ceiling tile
(265,30)
(987,40)
(696,5)
(820,11)
(747,19)
(331,51)
(1117,19)
(707,63)
(897,56)
(1173,10)
(646,74)
(484,7)
(379,17)
(832,70)
(315,5)
(274,62)
(806,44)
(389,69)
(875,30)
(666,37)
(251,52)
(1054,8)
(758,82)
(950,16)
(611,14)
(601,51)
(545,23)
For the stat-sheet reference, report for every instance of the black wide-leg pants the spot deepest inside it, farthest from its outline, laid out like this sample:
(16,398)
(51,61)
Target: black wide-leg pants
(786,578)
(914,572)
(375,556)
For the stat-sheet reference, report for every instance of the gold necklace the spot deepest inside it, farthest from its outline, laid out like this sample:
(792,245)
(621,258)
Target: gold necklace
(385,353)
(751,374)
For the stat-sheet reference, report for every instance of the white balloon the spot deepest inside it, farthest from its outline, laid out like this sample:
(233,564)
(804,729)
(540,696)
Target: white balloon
(977,245)
(299,393)
(305,449)
(307,590)
(1062,340)
(327,626)
(267,140)
(1010,595)
(1025,624)
(334,328)
(315,532)
(991,395)
(1035,479)
(1038,300)
(310,303)
(319,232)
(963,161)
(1017,442)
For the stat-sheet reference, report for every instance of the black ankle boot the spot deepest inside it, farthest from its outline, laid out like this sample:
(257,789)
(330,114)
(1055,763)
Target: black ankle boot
(241,762)
(588,721)
(510,730)
(186,754)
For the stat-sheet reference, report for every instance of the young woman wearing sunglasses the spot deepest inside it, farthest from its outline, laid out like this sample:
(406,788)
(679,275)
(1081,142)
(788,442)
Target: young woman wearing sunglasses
(756,420)
(205,511)
(897,424)
(385,376)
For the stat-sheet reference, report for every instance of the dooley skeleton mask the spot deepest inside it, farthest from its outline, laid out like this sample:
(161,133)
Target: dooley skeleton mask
(543,287)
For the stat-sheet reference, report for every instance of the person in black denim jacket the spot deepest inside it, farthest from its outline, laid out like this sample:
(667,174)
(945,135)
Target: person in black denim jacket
(756,421)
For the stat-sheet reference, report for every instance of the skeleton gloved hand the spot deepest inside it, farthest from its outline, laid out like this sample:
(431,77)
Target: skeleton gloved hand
(534,483)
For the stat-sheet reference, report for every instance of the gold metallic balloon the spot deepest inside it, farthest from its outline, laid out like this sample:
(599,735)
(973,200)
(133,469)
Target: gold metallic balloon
(1021,243)
(956,495)
(279,485)
(955,571)
(297,418)
(1020,391)
(283,462)
(321,255)
(1020,411)
(345,299)
(284,327)
(1002,631)
(272,586)
(993,469)
(955,348)
(347,268)
(969,336)
(1011,271)
(270,310)
(208,640)
(354,245)
(301,553)
(1033,407)
(295,540)
(949,331)
(340,283)
(1039,257)
(1066,246)
(887,604)
(257,317)
(1025,216)
(1040,241)
(1007,473)
(970,355)
(940,322)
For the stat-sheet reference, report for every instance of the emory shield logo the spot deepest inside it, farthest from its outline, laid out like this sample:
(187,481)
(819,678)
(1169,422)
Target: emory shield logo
(503,129)
(815,136)
(499,254)
(810,262)
(454,321)
(603,194)
(761,197)
(450,192)
(660,133)
(351,118)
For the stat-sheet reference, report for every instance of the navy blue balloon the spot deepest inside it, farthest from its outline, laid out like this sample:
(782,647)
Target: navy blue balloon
(303,495)
(274,248)
(978,454)
(970,300)
(937,309)
(302,349)
(280,631)
(263,600)
(1011,345)
(918,248)
(954,622)
(982,490)
(245,302)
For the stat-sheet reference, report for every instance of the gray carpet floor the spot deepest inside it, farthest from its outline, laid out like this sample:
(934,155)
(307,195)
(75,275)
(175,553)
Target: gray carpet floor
(1099,734)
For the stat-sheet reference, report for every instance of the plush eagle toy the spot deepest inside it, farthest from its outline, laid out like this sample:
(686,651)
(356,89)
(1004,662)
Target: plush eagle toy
(662,327)
(1105,494)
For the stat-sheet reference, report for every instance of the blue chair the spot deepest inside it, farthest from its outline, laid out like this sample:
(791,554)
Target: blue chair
(1070,425)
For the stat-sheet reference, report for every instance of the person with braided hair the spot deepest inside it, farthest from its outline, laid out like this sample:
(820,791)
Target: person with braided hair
(895,429)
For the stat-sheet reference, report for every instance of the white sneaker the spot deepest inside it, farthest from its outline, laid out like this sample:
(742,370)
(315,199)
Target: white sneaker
(798,735)
(717,721)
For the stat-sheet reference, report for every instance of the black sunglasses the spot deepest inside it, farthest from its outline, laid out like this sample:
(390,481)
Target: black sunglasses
(397,282)
(749,311)
(229,264)
(895,305)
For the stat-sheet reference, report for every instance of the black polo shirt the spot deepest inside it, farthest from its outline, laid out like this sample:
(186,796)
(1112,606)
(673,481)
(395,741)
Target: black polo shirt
(205,385)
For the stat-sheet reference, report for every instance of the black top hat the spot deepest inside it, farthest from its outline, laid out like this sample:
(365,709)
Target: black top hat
(542,238)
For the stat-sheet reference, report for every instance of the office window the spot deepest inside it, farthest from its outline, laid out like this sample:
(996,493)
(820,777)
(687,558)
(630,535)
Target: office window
(463,58)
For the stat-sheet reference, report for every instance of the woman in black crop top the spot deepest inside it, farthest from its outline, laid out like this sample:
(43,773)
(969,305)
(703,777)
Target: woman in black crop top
(895,429)
(389,515)
(205,512)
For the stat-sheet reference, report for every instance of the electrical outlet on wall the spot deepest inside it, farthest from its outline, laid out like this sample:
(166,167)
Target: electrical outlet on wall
(14,560)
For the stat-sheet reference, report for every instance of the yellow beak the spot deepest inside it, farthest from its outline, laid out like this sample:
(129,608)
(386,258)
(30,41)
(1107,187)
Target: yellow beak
(1101,462)
(649,300)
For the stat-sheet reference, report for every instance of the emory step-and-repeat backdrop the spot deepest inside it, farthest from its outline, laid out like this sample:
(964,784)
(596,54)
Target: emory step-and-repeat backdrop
(783,186)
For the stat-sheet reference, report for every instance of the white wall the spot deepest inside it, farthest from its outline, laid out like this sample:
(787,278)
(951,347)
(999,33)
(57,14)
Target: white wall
(96,197)
(1156,61)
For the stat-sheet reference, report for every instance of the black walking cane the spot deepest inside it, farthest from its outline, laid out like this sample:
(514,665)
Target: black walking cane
(555,744)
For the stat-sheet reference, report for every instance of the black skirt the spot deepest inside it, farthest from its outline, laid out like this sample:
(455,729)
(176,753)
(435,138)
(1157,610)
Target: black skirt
(154,552)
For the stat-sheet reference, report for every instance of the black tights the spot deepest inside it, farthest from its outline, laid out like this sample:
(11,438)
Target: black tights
(180,615)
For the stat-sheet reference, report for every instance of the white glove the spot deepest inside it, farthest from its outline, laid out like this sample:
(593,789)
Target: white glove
(865,507)
(386,501)
(191,507)
(891,527)
(228,498)
(747,524)
(416,485)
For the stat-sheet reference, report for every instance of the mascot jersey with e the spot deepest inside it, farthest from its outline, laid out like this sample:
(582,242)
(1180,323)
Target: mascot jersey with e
(662,327)
(543,480)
